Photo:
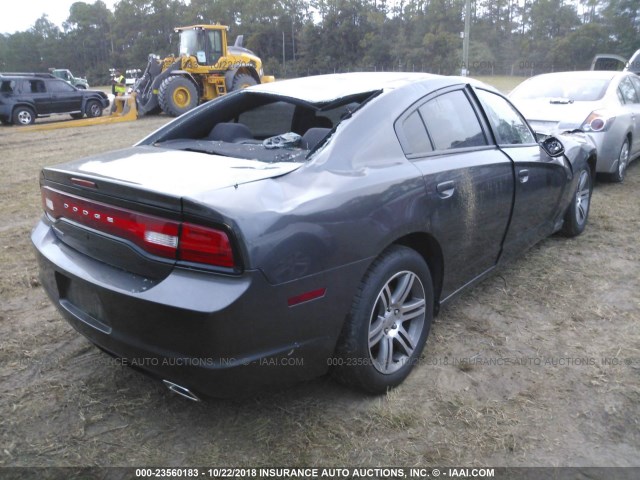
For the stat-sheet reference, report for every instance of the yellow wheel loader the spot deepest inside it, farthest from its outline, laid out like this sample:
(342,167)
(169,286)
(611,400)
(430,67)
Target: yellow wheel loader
(205,69)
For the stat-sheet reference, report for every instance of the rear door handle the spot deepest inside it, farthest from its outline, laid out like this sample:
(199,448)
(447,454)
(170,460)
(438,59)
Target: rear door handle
(445,189)
(523,176)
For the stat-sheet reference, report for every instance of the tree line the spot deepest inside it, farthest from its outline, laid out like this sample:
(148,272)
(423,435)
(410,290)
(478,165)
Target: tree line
(303,37)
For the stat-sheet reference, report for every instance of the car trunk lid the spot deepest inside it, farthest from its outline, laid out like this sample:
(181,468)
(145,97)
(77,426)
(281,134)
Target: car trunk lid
(130,209)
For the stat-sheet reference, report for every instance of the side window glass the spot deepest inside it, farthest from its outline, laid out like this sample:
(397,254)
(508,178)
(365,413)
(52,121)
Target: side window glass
(628,91)
(636,83)
(508,125)
(452,122)
(59,86)
(215,44)
(7,86)
(413,135)
(37,86)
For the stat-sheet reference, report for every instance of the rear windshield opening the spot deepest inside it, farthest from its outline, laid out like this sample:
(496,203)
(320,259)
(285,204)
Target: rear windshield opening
(263,127)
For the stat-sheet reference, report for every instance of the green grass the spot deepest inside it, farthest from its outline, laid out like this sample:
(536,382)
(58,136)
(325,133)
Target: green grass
(503,83)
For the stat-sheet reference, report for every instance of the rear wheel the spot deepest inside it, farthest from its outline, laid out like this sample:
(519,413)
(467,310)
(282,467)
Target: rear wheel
(623,161)
(575,220)
(177,95)
(23,116)
(93,109)
(243,80)
(388,324)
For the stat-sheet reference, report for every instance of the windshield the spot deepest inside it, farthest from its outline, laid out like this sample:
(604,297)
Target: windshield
(189,42)
(573,88)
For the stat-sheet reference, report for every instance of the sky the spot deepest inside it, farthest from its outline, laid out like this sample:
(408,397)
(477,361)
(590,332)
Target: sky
(18,16)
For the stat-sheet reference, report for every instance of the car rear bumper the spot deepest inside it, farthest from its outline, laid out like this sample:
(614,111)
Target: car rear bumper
(216,335)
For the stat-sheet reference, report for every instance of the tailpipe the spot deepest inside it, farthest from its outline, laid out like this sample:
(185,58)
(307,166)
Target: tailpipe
(180,390)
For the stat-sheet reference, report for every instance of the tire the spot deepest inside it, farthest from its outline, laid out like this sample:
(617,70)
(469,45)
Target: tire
(93,109)
(577,215)
(377,348)
(177,95)
(242,80)
(23,116)
(623,162)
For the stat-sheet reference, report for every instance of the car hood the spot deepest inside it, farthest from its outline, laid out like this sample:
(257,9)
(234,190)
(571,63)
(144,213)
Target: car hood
(544,110)
(171,172)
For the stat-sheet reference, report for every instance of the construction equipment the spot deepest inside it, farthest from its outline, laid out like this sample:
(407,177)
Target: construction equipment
(205,69)
(124,109)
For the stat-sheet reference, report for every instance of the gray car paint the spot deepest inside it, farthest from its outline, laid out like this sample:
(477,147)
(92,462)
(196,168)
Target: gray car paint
(319,225)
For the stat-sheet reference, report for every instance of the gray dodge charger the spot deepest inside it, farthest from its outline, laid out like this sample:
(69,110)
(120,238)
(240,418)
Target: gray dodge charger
(300,227)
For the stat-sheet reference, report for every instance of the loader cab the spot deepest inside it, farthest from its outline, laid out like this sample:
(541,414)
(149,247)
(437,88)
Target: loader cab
(206,44)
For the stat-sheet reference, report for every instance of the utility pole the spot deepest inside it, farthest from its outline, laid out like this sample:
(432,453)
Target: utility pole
(465,39)
(284,63)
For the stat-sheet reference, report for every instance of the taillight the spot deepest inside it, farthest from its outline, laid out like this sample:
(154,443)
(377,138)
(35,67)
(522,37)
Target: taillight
(165,238)
(598,121)
(205,245)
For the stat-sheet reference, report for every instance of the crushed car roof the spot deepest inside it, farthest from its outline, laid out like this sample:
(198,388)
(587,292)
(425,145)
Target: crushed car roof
(326,88)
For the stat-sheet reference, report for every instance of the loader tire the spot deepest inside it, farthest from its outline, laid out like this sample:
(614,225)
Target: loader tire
(242,80)
(177,95)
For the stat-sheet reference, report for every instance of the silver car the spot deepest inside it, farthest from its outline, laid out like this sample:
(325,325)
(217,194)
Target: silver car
(603,103)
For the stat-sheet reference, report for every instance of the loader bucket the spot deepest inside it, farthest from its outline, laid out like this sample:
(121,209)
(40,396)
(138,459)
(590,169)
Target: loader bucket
(124,109)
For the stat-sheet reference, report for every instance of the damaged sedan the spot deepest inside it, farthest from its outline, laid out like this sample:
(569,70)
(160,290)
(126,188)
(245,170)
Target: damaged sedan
(300,227)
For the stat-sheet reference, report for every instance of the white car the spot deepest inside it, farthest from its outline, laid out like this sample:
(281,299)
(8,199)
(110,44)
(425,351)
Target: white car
(605,104)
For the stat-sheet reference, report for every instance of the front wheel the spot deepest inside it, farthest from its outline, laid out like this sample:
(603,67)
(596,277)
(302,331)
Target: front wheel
(389,322)
(93,109)
(575,220)
(177,95)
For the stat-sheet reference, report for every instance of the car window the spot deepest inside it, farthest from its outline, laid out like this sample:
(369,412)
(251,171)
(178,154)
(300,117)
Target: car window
(59,86)
(508,125)
(628,91)
(37,86)
(269,120)
(413,134)
(451,122)
(7,86)
(636,83)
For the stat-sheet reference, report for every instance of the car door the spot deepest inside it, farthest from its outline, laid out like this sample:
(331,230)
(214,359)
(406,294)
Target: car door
(540,180)
(64,97)
(37,92)
(469,182)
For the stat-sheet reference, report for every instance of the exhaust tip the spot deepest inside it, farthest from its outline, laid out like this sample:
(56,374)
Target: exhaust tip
(180,390)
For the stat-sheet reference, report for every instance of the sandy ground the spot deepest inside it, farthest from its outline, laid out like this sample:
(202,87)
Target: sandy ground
(538,365)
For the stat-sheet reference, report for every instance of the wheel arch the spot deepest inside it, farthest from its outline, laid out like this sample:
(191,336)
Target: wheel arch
(231,74)
(429,249)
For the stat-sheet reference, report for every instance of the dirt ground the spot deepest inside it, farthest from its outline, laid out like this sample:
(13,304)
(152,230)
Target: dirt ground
(538,365)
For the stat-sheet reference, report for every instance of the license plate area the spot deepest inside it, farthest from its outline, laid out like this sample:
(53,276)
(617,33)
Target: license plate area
(82,301)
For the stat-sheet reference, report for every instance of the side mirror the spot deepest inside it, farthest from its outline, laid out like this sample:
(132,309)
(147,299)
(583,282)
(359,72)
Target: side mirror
(552,146)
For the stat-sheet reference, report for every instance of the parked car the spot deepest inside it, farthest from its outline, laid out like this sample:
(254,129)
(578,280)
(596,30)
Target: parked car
(67,76)
(302,225)
(608,61)
(27,96)
(605,104)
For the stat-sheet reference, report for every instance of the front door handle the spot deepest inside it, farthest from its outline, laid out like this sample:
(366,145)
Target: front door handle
(523,176)
(445,189)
